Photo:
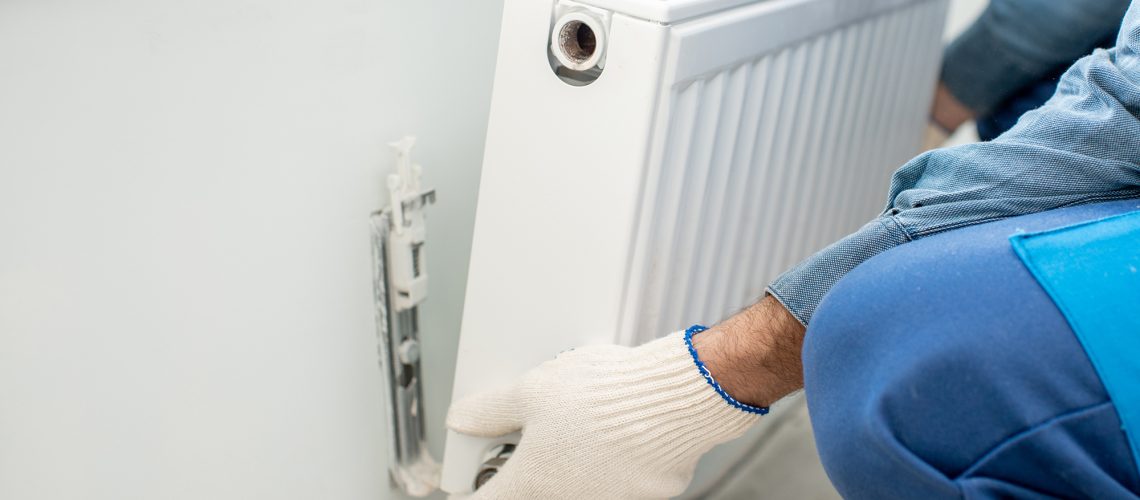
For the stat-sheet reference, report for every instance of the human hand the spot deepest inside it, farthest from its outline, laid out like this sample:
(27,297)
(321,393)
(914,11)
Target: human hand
(605,422)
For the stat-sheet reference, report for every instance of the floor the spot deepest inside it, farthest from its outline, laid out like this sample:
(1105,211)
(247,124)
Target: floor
(783,467)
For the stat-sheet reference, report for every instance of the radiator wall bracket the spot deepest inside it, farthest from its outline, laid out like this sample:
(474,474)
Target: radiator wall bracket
(399,280)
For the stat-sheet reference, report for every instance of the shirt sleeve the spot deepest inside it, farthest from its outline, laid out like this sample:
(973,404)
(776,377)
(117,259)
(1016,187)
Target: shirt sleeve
(1017,42)
(1082,146)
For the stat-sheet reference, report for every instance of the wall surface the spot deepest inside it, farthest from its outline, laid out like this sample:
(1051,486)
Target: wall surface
(184,261)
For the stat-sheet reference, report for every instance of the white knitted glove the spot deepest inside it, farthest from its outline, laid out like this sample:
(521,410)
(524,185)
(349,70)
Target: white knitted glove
(604,422)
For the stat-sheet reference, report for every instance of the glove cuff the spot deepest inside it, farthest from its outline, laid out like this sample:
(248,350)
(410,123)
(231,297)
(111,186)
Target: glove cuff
(660,382)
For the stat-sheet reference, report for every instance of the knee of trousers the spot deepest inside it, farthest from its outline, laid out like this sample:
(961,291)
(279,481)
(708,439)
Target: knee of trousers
(863,381)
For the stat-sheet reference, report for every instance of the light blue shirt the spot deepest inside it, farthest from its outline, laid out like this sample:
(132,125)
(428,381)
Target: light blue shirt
(1082,146)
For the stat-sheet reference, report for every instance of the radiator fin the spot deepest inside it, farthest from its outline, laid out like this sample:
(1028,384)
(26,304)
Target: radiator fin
(770,160)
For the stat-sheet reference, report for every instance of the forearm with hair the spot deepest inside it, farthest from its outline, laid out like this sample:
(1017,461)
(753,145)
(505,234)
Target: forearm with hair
(755,354)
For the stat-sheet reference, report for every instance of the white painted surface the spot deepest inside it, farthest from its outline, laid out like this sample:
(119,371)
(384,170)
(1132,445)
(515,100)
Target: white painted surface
(184,261)
(674,11)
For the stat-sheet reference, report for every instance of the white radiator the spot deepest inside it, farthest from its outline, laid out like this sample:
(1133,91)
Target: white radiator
(651,164)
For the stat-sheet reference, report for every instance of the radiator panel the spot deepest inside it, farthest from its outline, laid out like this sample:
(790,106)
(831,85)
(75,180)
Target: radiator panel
(767,161)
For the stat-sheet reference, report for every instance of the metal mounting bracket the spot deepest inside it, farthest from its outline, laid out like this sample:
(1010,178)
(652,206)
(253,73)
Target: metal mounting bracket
(399,282)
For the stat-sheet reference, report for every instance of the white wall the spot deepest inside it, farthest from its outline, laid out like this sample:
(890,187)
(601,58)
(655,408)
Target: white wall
(184,261)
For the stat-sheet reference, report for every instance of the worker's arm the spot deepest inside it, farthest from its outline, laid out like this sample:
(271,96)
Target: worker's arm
(1081,146)
(1017,42)
(755,354)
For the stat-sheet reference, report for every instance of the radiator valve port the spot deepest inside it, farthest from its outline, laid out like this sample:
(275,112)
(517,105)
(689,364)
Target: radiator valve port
(578,45)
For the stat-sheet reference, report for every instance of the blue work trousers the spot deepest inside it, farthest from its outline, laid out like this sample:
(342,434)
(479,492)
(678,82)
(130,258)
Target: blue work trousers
(941,369)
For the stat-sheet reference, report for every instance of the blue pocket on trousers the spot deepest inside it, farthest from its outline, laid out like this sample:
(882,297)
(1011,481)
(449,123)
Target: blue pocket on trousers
(1092,272)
